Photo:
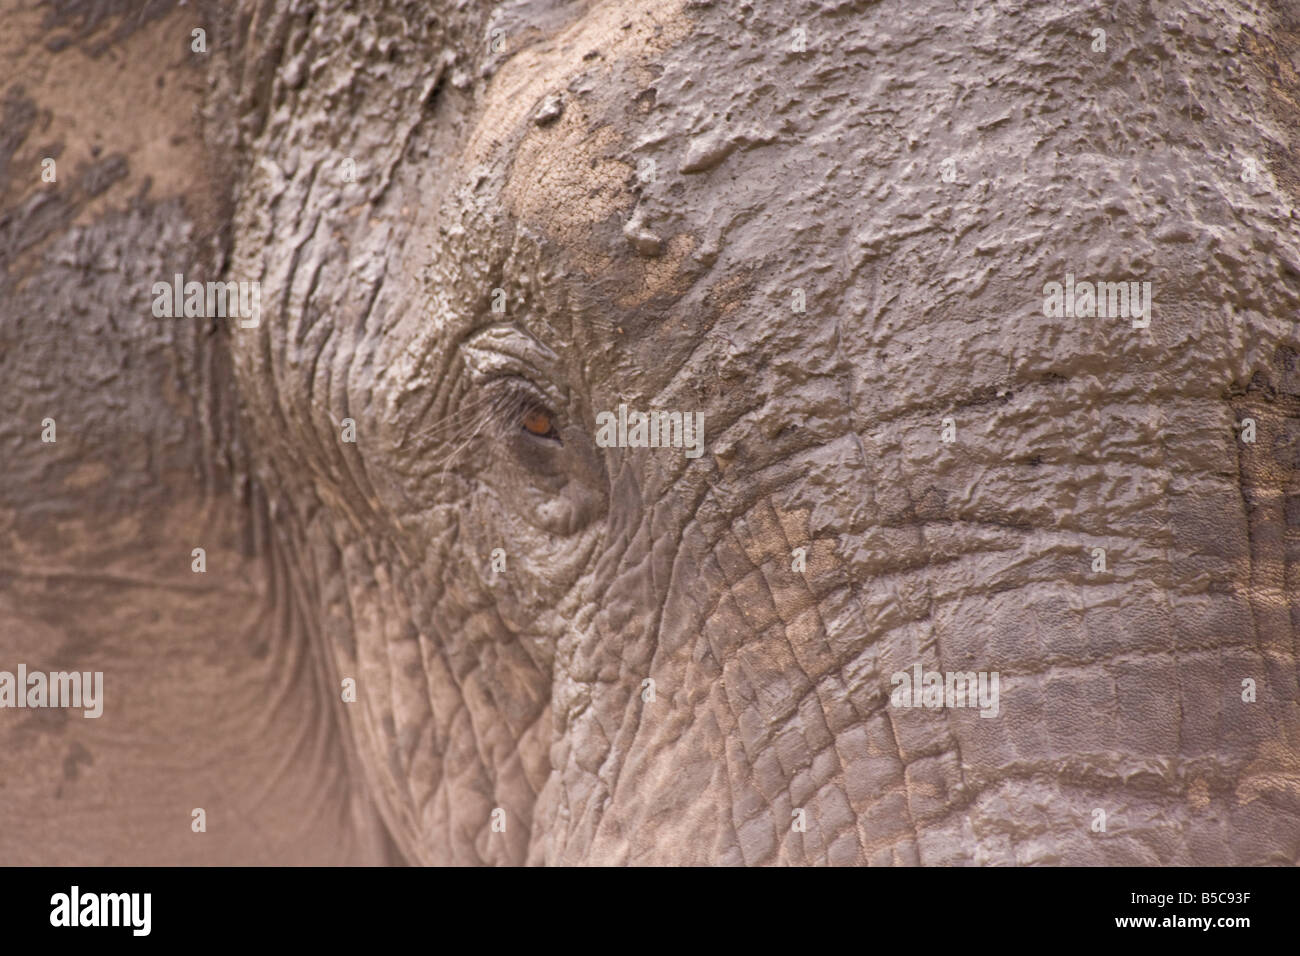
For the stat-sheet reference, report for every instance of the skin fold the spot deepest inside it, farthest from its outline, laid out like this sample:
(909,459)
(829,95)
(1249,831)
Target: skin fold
(826,229)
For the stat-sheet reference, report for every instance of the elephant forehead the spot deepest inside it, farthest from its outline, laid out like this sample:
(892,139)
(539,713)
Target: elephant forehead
(564,174)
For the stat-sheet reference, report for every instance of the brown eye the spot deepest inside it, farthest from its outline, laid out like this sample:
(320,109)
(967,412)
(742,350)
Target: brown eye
(539,423)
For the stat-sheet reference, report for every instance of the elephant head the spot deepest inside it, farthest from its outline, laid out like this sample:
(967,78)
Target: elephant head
(969,335)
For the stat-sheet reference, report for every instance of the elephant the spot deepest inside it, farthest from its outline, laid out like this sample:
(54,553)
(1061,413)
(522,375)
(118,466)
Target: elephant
(668,432)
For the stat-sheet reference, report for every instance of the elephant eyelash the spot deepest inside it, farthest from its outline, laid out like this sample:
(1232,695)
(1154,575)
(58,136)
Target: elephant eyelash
(522,408)
(462,424)
(498,412)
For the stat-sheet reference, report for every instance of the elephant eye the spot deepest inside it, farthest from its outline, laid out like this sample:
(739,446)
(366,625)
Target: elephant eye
(525,411)
(538,421)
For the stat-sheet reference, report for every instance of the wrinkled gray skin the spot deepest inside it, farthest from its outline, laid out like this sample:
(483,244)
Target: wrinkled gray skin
(774,170)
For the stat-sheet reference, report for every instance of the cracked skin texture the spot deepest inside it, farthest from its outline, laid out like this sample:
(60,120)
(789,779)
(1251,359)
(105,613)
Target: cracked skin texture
(522,691)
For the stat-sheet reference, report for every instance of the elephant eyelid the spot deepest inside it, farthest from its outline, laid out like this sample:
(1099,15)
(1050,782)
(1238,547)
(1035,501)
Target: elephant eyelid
(503,349)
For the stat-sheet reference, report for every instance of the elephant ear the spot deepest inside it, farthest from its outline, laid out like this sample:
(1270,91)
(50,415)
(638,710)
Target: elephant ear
(122,460)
